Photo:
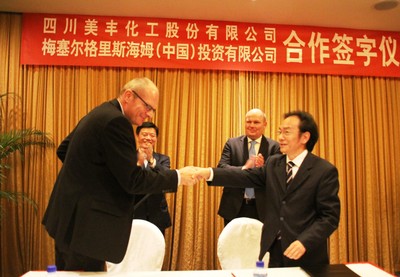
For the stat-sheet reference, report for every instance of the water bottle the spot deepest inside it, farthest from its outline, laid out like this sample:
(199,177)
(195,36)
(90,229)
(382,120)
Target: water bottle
(52,270)
(260,270)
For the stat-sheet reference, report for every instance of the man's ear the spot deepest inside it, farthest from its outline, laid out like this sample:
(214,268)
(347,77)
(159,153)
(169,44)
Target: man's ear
(305,137)
(127,96)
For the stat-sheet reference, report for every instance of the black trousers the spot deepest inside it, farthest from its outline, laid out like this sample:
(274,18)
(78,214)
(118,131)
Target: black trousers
(71,261)
(276,254)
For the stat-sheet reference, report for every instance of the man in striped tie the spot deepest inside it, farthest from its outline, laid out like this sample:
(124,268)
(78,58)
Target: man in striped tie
(302,203)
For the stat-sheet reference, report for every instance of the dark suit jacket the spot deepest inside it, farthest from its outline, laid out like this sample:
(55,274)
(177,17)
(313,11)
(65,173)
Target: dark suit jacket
(91,206)
(235,154)
(155,208)
(308,210)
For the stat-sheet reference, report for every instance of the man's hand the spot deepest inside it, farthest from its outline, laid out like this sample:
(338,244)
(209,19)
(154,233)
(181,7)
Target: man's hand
(254,161)
(250,163)
(148,151)
(259,161)
(187,176)
(202,173)
(295,250)
(141,156)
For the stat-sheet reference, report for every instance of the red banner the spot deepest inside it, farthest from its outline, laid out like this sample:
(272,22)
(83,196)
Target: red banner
(85,40)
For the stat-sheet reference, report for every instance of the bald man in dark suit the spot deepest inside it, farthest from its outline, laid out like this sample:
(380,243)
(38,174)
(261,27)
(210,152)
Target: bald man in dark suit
(237,202)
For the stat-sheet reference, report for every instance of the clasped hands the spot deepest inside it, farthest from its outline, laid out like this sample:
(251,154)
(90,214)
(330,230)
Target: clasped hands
(144,154)
(191,175)
(254,161)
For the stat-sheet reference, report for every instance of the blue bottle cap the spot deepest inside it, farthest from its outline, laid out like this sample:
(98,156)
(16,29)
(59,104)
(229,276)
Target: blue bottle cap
(51,268)
(260,264)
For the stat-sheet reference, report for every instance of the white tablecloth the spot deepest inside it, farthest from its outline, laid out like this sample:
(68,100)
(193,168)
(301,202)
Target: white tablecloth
(362,269)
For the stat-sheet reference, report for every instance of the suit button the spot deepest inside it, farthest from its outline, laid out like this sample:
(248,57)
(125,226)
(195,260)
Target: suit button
(282,218)
(283,202)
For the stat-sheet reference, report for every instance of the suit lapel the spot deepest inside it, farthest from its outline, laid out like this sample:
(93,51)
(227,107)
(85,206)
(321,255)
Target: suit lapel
(264,147)
(281,170)
(245,149)
(303,173)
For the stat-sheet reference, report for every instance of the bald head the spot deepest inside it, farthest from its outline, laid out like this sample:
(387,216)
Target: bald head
(257,112)
(256,122)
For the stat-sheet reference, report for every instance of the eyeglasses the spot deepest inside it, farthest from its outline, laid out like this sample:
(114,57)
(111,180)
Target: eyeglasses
(285,132)
(148,107)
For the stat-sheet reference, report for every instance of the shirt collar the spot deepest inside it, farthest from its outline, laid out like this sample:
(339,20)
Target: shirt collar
(122,110)
(299,159)
(258,140)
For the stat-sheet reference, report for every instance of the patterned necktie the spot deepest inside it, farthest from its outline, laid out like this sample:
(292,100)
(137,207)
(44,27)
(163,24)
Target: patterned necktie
(249,192)
(289,172)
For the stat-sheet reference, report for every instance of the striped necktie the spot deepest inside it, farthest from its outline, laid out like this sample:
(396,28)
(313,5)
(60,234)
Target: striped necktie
(289,172)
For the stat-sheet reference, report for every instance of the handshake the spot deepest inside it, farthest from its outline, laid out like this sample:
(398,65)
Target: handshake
(191,175)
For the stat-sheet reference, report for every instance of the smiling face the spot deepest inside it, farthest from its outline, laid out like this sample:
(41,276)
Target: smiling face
(147,137)
(136,109)
(292,142)
(255,124)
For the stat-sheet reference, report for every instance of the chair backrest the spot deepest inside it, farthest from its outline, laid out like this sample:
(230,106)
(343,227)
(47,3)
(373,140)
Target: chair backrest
(239,244)
(146,249)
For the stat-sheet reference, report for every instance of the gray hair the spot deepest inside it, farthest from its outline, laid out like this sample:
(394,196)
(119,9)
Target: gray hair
(139,84)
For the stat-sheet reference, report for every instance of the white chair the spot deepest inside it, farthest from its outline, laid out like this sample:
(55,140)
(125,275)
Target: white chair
(146,249)
(239,244)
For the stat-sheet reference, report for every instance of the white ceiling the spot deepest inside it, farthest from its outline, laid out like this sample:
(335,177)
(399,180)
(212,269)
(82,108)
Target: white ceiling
(354,14)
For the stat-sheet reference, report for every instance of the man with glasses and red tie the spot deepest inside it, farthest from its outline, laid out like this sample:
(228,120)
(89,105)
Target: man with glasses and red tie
(90,210)
(151,207)
(301,192)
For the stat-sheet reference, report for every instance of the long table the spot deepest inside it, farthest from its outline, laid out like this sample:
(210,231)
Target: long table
(348,270)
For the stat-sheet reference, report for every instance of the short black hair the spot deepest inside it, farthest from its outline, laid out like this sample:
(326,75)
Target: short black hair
(147,125)
(307,124)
